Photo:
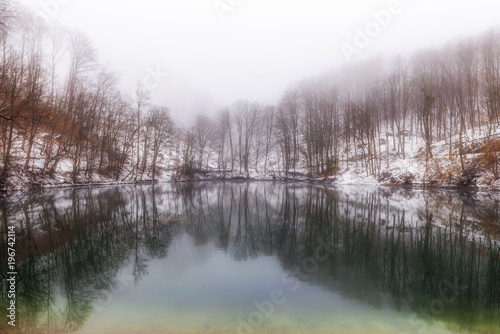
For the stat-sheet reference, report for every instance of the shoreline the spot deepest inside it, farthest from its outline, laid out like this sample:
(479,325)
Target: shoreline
(331,181)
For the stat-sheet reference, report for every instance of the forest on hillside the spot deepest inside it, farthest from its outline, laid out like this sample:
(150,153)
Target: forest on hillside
(61,111)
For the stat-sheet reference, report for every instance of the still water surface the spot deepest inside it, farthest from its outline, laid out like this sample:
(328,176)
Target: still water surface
(254,258)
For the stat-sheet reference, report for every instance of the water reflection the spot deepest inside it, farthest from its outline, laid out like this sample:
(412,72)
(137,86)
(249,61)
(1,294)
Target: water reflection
(430,253)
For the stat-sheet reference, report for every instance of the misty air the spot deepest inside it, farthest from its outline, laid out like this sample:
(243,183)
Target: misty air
(249,166)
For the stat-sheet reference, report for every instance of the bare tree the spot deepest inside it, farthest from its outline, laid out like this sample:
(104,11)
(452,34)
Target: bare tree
(142,100)
(205,130)
(162,133)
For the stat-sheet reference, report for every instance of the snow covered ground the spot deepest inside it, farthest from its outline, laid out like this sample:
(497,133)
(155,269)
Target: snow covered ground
(443,169)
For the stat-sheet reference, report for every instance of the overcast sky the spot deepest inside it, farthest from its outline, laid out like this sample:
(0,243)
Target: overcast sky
(224,50)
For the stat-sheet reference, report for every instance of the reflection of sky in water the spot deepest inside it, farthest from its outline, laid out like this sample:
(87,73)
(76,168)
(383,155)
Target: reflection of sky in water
(186,242)
(201,288)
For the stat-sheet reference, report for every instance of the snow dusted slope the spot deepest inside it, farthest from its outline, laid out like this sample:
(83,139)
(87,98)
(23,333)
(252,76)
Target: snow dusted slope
(447,167)
(443,169)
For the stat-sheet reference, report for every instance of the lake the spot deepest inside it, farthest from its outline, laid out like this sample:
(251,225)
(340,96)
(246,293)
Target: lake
(253,258)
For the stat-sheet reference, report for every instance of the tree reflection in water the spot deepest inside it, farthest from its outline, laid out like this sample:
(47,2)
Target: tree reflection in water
(434,253)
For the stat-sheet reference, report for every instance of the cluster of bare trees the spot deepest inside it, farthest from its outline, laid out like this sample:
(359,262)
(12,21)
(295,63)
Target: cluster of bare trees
(237,142)
(53,91)
(52,87)
(373,111)
(364,115)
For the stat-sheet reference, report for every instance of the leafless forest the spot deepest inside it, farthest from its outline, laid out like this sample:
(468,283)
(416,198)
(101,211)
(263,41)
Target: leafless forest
(58,103)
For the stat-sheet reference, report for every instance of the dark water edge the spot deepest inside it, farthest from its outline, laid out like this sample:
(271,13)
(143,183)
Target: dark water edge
(429,253)
(26,186)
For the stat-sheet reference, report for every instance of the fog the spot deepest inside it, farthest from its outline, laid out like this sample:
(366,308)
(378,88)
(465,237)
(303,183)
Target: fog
(200,55)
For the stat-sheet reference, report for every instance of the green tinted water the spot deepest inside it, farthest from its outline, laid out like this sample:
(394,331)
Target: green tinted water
(254,258)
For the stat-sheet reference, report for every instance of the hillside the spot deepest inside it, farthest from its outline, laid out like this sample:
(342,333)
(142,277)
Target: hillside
(429,118)
(480,167)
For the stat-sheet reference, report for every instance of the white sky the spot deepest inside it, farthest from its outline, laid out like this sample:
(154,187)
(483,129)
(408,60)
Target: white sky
(261,46)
